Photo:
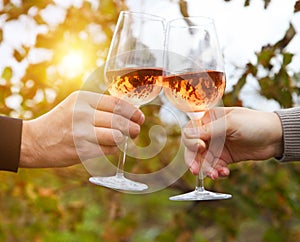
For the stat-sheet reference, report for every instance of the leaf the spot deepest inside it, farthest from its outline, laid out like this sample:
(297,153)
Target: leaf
(289,35)
(47,204)
(274,235)
(7,73)
(287,58)
(247,3)
(229,101)
(37,73)
(120,229)
(39,20)
(251,69)
(45,41)
(277,88)
(239,85)
(19,56)
(267,2)
(297,6)
(265,56)
(183,8)
(232,98)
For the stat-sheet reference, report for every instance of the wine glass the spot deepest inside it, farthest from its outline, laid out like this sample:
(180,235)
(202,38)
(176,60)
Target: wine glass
(194,79)
(133,70)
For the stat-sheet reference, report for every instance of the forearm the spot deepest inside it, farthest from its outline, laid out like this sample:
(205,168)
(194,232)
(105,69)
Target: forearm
(30,144)
(10,143)
(290,121)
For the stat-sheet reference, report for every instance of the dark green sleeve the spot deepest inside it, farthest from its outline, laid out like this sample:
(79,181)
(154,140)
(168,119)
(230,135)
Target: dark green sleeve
(10,143)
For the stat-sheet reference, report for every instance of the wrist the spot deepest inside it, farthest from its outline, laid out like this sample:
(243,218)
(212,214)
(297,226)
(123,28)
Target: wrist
(278,144)
(29,151)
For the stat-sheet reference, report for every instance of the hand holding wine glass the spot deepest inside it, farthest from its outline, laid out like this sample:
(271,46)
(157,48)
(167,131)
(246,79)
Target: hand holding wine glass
(133,70)
(194,79)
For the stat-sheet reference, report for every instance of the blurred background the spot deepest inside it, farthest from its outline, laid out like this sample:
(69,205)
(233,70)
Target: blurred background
(50,48)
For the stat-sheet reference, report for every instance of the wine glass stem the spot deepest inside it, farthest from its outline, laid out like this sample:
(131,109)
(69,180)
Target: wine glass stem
(200,181)
(196,121)
(122,159)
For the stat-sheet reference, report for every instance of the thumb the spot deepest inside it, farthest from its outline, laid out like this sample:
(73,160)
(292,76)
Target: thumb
(205,131)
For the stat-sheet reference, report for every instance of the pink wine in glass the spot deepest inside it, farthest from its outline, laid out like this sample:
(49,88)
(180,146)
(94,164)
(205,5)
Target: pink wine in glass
(195,91)
(136,85)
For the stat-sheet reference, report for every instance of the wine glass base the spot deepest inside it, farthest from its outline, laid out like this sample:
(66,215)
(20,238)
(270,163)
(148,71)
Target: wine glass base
(200,196)
(119,183)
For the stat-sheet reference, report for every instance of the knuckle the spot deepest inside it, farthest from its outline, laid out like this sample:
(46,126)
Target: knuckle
(117,107)
(82,113)
(117,137)
(117,121)
(79,135)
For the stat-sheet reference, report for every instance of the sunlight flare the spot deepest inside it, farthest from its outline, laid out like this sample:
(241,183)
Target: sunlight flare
(72,64)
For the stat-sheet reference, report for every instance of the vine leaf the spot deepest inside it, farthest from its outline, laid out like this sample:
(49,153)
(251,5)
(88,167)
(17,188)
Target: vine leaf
(297,7)
(7,73)
(183,8)
(289,35)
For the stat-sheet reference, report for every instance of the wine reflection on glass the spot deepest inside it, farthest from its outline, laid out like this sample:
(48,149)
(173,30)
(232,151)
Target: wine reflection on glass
(133,71)
(194,79)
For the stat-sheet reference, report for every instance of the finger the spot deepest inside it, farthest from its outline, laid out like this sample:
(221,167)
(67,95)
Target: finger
(207,117)
(109,150)
(194,144)
(194,167)
(223,171)
(214,114)
(190,158)
(91,150)
(212,119)
(220,172)
(208,170)
(108,137)
(204,132)
(199,163)
(218,163)
(114,121)
(118,106)
(195,161)
(220,169)
(213,174)
(110,104)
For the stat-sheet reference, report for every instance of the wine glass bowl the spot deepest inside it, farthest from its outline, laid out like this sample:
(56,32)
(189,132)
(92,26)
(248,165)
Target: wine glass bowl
(194,79)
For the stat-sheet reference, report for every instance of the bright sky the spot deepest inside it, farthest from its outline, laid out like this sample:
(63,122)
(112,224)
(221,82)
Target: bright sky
(242,31)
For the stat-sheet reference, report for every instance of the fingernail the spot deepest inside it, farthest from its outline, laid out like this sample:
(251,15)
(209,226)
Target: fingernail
(135,130)
(201,145)
(212,175)
(198,146)
(224,172)
(142,118)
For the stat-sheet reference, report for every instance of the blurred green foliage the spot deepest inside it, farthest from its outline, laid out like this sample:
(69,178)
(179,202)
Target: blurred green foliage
(61,205)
